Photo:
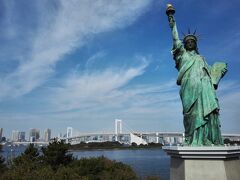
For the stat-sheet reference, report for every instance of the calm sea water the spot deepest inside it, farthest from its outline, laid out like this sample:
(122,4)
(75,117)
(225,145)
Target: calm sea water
(145,162)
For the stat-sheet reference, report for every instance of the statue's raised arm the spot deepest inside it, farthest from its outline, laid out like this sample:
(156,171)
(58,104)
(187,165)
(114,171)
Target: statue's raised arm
(178,48)
(172,23)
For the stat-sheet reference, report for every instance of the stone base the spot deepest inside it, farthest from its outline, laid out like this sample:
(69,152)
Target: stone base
(204,163)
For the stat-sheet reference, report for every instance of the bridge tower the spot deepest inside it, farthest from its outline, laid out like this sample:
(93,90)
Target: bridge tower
(118,128)
(69,132)
(157,137)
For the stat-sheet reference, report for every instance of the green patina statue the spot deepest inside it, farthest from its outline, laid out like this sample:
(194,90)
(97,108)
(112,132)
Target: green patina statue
(198,83)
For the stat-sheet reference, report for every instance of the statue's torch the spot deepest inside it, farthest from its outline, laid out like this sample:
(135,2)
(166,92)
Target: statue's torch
(170,10)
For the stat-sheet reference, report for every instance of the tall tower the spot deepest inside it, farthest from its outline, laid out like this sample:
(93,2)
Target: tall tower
(118,126)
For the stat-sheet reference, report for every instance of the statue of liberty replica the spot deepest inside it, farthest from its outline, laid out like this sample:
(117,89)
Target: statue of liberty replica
(199,83)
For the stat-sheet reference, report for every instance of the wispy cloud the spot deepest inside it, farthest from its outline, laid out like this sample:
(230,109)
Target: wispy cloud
(91,61)
(91,89)
(61,29)
(228,86)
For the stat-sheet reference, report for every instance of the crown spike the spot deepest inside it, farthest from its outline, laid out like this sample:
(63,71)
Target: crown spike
(195,32)
(199,37)
(183,34)
(189,32)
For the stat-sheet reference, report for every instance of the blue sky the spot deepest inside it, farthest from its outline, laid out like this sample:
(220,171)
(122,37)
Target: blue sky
(85,63)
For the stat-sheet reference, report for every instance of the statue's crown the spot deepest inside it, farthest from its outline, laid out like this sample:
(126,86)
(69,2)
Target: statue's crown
(190,36)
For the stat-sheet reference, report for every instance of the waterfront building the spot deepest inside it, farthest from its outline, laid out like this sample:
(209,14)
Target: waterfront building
(138,140)
(34,135)
(166,140)
(47,135)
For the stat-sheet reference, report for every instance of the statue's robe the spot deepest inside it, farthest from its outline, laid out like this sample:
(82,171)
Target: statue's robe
(199,100)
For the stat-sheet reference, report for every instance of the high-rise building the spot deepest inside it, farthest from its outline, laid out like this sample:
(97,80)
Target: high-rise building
(14,137)
(47,135)
(21,136)
(1,134)
(34,135)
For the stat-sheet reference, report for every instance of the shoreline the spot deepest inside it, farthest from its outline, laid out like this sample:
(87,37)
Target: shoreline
(112,148)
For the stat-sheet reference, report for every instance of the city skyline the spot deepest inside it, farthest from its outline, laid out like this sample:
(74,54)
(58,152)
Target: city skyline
(83,64)
(33,134)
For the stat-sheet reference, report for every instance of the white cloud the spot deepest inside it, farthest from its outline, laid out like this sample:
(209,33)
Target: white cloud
(228,86)
(82,90)
(63,29)
(90,62)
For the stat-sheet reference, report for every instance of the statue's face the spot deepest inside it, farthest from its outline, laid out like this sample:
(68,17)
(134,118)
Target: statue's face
(190,45)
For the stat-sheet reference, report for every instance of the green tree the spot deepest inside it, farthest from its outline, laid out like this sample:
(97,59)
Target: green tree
(30,155)
(24,166)
(40,172)
(134,144)
(31,151)
(2,162)
(55,154)
(101,168)
(29,165)
(227,141)
(67,172)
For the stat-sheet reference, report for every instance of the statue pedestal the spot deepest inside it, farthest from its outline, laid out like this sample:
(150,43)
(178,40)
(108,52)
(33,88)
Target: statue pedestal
(204,163)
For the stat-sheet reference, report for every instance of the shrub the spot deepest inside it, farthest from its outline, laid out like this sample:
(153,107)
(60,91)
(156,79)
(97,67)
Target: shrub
(102,168)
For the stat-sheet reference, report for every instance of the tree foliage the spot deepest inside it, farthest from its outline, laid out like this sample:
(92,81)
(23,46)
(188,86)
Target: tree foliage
(55,154)
(102,168)
(2,162)
(30,154)
(231,142)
